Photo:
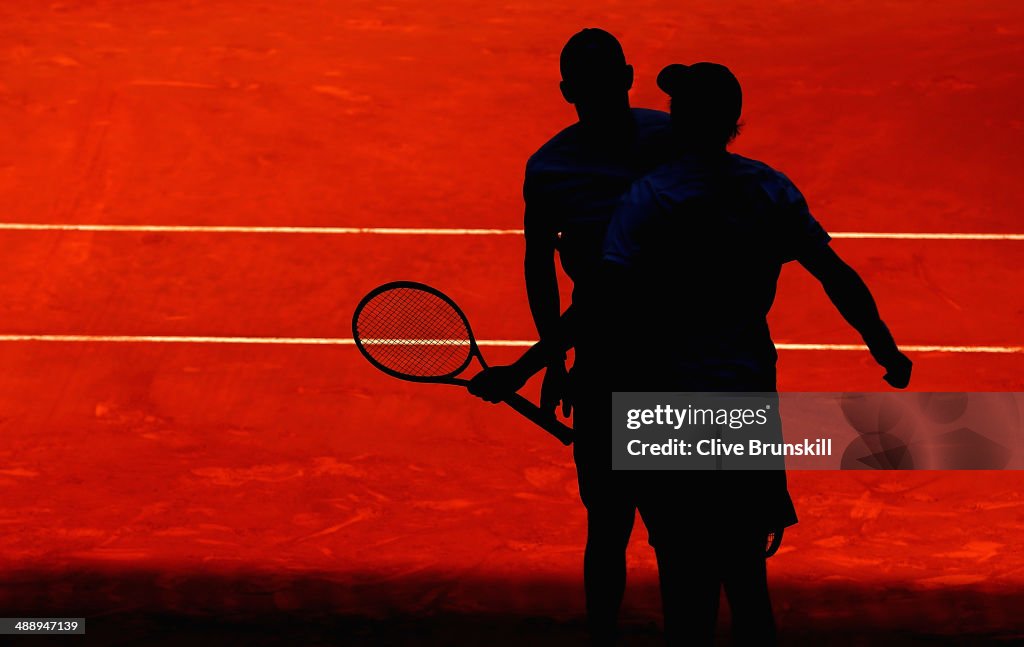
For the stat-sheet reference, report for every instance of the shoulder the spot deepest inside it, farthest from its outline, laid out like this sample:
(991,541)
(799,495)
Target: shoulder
(657,192)
(674,182)
(747,166)
(774,182)
(643,191)
(555,150)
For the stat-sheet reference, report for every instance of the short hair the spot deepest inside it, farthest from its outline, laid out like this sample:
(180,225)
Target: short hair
(712,130)
(589,53)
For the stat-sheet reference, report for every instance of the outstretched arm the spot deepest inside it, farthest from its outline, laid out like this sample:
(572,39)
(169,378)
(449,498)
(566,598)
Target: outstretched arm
(854,301)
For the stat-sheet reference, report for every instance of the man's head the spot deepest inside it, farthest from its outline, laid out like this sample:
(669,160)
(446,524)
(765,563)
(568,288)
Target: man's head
(706,104)
(595,76)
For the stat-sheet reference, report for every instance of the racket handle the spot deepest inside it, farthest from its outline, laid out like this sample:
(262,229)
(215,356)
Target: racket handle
(546,421)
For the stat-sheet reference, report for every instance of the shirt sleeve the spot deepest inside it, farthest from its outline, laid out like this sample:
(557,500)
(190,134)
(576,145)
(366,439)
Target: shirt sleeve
(636,209)
(537,223)
(799,231)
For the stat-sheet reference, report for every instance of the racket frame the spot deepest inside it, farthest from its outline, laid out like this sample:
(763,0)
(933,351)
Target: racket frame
(447,378)
(516,401)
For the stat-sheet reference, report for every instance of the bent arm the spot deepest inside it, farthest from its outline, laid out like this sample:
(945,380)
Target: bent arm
(497,383)
(539,356)
(612,311)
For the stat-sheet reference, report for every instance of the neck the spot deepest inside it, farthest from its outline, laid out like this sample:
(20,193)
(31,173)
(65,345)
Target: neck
(694,147)
(617,117)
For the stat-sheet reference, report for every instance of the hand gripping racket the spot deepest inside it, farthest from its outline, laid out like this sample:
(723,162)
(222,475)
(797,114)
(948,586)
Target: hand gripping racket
(414,332)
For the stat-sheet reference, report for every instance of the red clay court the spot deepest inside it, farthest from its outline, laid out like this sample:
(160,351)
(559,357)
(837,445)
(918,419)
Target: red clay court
(192,446)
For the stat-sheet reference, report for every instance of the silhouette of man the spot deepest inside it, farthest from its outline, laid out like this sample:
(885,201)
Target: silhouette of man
(711,230)
(573,184)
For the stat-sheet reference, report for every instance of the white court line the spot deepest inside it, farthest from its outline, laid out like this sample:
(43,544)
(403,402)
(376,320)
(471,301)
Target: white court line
(876,235)
(239,229)
(432,231)
(520,343)
(912,348)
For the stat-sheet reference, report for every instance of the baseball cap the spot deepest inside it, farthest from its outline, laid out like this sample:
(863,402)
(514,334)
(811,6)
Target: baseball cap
(706,88)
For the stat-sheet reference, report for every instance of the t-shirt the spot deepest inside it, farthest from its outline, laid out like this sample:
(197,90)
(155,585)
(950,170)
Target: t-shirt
(575,181)
(705,238)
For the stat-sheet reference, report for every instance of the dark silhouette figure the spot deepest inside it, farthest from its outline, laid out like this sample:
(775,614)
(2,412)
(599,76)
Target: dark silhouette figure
(691,261)
(710,231)
(573,184)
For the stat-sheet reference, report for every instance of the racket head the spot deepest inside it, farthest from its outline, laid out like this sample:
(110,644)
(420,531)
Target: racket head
(414,332)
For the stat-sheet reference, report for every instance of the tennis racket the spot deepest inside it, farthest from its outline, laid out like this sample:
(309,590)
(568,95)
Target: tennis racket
(415,332)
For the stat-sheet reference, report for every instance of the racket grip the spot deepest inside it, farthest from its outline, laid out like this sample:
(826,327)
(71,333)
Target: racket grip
(548,422)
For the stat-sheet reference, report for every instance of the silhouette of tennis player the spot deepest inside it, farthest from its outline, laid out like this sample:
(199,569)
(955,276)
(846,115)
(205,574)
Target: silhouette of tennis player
(711,230)
(573,185)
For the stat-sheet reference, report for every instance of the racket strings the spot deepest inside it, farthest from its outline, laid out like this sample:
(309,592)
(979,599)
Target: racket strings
(413,332)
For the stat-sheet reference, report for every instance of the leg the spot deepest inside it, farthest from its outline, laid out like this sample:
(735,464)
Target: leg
(689,557)
(610,515)
(746,587)
(690,589)
(604,569)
